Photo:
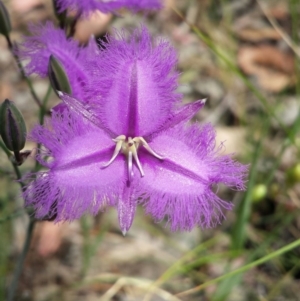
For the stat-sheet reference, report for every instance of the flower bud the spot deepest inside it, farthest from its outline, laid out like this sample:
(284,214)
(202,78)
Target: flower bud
(58,77)
(5,26)
(293,175)
(259,192)
(12,126)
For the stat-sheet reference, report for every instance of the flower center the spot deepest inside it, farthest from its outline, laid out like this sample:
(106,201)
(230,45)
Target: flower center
(129,147)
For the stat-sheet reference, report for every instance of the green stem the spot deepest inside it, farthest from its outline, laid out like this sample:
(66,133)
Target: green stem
(18,157)
(43,108)
(17,273)
(14,165)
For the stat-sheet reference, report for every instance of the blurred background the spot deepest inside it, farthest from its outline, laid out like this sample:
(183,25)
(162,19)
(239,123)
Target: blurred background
(243,55)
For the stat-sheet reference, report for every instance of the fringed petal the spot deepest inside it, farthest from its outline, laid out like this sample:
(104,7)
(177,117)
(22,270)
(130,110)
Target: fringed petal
(87,6)
(76,181)
(46,40)
(180,187)
(137,82)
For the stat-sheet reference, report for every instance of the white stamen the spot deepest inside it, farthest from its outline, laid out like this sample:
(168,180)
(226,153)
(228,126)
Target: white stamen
(115,153)
(133,149)
(148,148)
(138,163)
(119,143)
(120,138)
(130,173)
(130,149)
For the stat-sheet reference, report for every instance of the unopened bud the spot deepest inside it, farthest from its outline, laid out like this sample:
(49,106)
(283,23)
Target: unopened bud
(5,26)
(12,126)
(293,175)
(58,77)
(259,192)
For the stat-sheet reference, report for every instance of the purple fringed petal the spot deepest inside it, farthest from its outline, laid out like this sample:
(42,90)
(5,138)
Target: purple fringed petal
(46,40)
(137,82)
(87,6)
(76,182)
(179,187)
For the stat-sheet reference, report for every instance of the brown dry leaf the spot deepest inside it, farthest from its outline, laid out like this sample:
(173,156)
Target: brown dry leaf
(51,236)
(273,68)
(25,6)
(257,35)
(96,24)
(5,91)
(279,11)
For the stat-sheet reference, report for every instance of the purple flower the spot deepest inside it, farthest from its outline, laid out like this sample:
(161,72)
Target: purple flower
(132,146)
(106,6)
(48,40)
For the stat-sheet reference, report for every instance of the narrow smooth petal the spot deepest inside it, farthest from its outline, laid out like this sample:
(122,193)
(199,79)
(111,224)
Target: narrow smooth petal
(183,114)
(85,111)
(180,187)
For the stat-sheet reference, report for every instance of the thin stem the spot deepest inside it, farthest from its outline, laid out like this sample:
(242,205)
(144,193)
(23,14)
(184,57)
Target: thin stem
(18,157)
(21,69)
(14,165)
(239,232)
(43,109)
(72,25)
(10,45)
(17,273)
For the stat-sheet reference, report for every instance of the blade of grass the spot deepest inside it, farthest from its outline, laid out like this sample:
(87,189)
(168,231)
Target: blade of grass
(173,269)
(244,208)
(242,269)
(226,286)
